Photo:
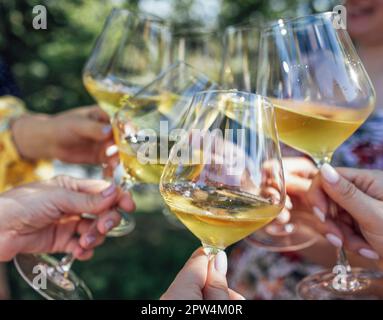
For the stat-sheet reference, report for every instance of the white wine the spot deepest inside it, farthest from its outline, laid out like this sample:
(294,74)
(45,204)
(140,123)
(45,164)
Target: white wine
(134,168)
(109,94)
(144,112)
(317,130)
(218,217)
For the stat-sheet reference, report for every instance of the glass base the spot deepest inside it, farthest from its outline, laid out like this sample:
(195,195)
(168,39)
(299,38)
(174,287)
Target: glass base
(359,284)
(126,226)
(39,271)
(283,237)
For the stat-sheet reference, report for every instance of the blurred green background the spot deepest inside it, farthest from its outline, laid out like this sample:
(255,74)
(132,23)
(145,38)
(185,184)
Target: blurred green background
(47,66)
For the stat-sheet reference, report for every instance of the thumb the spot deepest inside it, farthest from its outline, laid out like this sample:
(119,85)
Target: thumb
(76,202)
(190,280)
(216,287)
(358,204)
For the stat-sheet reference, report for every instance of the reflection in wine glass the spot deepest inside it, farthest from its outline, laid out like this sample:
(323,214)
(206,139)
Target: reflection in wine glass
(322,94)
(224,177)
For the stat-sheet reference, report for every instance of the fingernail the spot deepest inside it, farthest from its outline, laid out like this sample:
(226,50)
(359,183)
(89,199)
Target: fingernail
(109,191)
(288,204)
(89,239)
(220,262)
(109,224)
(369,254)
(284,216)
(111,151)
(334,240)
(329,173)
(106,129)
(319,214)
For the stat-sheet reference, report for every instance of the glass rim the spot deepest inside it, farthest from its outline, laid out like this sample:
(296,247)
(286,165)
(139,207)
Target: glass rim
(200,76)
(179,64)
(295,21)
(139,14)
(242,93)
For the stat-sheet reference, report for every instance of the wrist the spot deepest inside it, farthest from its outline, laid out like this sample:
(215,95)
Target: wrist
(31,135)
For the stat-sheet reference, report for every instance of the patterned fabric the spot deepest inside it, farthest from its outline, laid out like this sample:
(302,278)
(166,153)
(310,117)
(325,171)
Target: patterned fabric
(14,170)
(260,274)
(365,148)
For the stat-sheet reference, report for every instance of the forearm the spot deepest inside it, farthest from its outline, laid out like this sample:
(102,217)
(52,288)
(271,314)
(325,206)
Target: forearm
(32,134)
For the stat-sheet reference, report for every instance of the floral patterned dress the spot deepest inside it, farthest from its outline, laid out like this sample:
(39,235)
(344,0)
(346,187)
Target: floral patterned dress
(260,274)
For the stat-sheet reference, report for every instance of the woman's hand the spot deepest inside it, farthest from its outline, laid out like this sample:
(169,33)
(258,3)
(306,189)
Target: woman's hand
(46,216)
(80,135)
(298,172)
(201,279)
(359,196)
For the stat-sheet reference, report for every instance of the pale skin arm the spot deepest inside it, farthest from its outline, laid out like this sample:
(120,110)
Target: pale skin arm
(81,135)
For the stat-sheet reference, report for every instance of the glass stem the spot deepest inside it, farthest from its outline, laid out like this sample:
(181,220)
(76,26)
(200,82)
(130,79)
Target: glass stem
(210,251)
(342,268)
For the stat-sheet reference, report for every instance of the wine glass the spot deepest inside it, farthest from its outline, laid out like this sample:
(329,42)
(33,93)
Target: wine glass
(199,47)
(128,54)
(240,55)
(142,127)
(224,178)
(239,71)
(321,92)
(131,51)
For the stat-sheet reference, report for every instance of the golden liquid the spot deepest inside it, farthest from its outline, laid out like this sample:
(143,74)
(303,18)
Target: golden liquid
(110,96)
(139,172)
(217,217)
(144,112)
(316,129)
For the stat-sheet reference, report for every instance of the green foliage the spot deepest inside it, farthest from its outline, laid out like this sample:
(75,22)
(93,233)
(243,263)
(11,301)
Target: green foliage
(48,63)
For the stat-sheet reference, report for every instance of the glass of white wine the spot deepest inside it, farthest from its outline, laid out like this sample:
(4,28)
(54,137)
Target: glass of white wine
(321,93)
(131,51)
(142,127)
(239,71)
(224,178)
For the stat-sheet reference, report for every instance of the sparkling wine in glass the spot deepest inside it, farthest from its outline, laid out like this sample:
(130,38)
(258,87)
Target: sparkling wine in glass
(224,178)
(322,94)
